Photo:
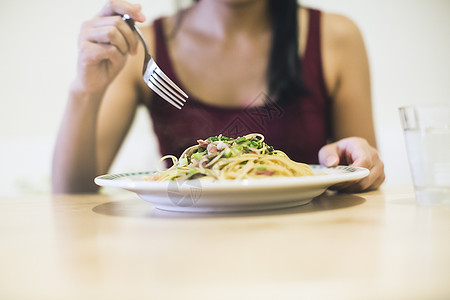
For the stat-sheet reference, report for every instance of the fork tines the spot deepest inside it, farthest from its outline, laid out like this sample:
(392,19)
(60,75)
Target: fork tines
(154,77)
(163,86)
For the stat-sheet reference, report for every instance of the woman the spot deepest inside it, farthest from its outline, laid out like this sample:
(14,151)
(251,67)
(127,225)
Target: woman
(247,67)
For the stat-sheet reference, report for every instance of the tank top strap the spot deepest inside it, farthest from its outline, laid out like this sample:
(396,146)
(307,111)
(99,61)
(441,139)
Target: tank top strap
(312,61)
(313,42)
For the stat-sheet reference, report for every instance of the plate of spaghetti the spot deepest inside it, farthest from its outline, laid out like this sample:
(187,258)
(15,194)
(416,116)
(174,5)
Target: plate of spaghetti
(221,174)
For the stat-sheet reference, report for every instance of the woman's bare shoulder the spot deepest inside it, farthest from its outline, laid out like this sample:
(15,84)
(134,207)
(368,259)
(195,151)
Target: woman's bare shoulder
(339,30)
(341,41)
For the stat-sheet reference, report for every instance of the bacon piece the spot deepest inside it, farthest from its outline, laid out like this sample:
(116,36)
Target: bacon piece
(204,163)
(265,172)
(202,143)
(212,149)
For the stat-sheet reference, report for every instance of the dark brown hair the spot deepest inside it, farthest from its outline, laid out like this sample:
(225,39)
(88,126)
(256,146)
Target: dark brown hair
(283,74)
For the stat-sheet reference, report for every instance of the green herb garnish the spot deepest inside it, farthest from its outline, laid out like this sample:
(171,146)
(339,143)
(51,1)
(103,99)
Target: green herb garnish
(198,155)
(227,153)
(240,140)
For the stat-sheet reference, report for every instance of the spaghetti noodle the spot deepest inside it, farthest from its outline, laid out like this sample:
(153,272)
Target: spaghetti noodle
(223,158)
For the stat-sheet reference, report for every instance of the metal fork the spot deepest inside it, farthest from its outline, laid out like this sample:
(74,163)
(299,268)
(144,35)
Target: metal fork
(154,77)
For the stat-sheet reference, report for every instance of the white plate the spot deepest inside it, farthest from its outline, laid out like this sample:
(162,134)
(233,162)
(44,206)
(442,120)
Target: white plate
(232,195)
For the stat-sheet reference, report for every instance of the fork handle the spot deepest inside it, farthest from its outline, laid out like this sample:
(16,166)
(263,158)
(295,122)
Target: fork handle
(133,27)
(129,21)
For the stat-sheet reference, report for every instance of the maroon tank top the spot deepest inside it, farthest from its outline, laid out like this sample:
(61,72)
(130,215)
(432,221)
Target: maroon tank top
(299,128)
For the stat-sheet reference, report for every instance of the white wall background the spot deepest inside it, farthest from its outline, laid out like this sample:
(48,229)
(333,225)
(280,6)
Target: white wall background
(408,42)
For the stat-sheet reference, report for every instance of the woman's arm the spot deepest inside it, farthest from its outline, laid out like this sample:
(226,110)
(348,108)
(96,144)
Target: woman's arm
(346,71)
(102,100)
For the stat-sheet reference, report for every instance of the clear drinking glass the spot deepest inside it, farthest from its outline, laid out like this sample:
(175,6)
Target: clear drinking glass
(427,137)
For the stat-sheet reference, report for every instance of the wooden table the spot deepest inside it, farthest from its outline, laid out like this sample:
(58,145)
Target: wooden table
(377,245)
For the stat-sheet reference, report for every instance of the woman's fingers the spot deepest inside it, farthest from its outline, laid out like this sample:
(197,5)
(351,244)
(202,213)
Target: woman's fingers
(113,31)
(371,182)
(94,53)
(104,44)
(367,157)
(329,155)
(108,27)
(120,7)
(354,152)
(109,36)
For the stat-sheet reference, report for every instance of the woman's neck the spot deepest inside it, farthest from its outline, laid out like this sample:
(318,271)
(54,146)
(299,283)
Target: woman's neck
(223,19)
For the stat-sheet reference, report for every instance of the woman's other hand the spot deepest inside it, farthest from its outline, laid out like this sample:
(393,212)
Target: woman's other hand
(104,44)
(354,152)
